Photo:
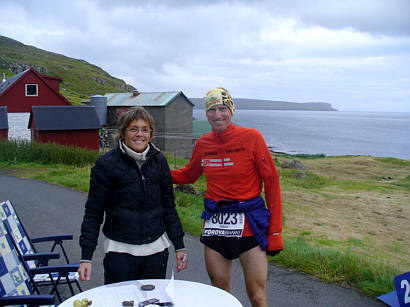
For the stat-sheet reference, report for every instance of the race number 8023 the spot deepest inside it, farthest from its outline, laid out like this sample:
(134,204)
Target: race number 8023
(224,218)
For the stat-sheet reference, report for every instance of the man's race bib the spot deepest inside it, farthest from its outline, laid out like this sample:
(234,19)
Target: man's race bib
(225,224)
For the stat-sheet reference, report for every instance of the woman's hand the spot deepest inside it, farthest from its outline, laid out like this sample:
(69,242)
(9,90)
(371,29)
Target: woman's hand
(182,260)
(85,270)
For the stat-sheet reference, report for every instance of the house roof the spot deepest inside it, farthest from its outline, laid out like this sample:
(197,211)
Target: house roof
(5,85)
(4,123)
(9,83)
(64,118)
(144,99)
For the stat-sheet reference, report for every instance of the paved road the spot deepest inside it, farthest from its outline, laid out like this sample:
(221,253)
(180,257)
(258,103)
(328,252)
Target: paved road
(47,208)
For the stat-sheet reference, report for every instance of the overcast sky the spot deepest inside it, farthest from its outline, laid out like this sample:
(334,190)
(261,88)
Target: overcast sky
(354,54)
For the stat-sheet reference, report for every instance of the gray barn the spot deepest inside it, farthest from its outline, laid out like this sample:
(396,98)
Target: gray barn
(172,112)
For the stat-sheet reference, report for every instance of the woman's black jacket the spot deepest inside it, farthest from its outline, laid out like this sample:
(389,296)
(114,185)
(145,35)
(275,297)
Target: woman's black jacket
(138,209)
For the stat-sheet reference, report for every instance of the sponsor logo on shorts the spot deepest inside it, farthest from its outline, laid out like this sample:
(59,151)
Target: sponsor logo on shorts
(222,232)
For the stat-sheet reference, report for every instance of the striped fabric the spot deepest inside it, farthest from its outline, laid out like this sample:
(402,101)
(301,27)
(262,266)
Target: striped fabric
(13,278)
(9,216)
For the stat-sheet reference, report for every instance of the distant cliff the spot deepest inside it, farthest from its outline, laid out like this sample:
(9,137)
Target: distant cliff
(259,104)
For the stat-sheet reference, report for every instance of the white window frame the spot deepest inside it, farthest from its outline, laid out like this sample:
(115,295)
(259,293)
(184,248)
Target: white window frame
(36,85)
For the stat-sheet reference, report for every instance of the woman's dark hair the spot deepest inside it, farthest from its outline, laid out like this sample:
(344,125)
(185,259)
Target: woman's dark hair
(127,117)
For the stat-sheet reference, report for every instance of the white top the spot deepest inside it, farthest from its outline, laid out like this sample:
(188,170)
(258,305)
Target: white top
(136,250)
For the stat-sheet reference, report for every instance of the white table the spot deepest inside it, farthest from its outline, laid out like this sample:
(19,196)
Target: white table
(185,294)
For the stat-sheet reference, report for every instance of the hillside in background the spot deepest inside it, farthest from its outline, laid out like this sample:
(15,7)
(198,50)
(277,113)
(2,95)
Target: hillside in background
(259,104)
(80,78)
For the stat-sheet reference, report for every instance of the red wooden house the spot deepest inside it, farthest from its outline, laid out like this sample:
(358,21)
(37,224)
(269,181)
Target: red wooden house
(28,88)
(65,125)
(4,124)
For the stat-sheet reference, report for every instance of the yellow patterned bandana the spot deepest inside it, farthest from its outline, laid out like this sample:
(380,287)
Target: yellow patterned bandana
(219,95)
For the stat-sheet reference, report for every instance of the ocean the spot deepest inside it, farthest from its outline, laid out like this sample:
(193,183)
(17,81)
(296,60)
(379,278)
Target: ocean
(379,134)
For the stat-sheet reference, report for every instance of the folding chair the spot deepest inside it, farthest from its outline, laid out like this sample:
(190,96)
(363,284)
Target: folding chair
(54,275)
(7,211)
(15,289)
(33,262)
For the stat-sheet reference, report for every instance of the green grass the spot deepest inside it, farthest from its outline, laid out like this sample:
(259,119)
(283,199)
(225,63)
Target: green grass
(373,277)
(396,247)
(356,242)
(7,73)
(403,183)
(361,186)
(69,176)
(394,161)
(328,242)
(51,153)
(175,161)
(380,187)
(190,209)
(318,256)
(304,156)
(313,181)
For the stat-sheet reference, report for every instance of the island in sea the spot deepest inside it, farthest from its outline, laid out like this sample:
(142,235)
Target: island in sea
(260,104)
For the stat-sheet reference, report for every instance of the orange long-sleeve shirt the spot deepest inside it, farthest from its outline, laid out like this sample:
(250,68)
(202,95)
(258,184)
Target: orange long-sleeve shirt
(236,162)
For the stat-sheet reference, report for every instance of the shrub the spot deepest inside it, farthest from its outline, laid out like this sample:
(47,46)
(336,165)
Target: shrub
(50,153)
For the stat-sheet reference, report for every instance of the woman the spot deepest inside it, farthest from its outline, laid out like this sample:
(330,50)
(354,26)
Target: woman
(237,224)
(131,189)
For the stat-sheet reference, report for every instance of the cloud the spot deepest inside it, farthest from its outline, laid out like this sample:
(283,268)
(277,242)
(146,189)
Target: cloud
(377,17)
(353,54)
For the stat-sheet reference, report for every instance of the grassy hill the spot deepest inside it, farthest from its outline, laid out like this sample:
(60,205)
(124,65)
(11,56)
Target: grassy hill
(80,78)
